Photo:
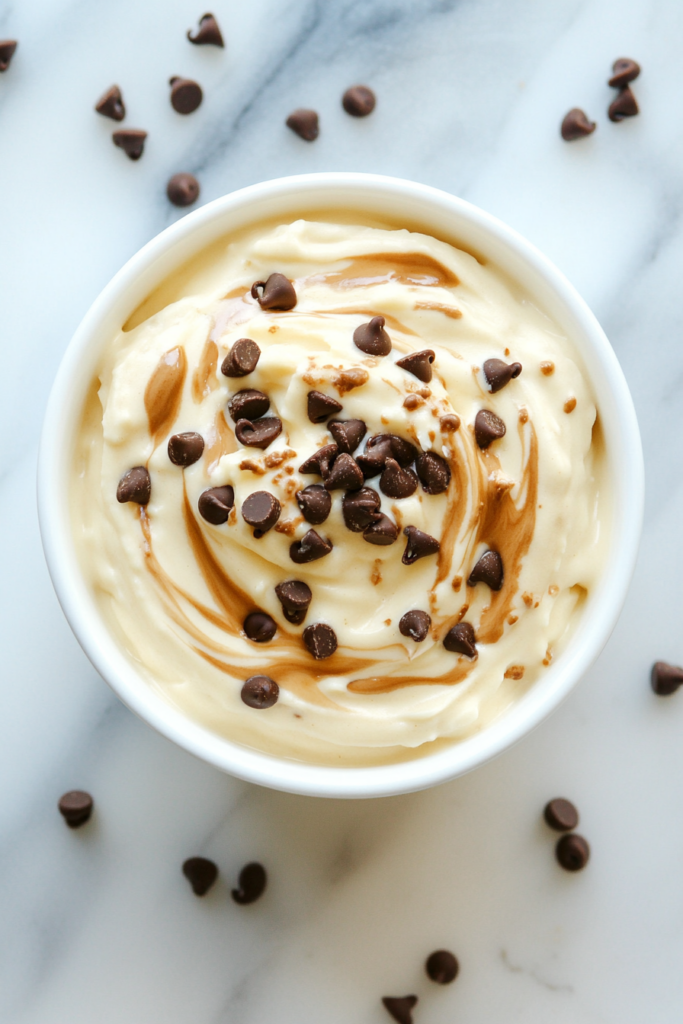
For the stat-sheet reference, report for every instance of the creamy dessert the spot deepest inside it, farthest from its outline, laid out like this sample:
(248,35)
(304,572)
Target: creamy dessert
(338,490)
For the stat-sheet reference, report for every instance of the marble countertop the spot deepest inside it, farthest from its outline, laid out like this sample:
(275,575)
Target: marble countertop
(98,924)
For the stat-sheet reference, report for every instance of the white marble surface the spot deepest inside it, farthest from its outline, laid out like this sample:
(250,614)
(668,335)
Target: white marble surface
(98,924)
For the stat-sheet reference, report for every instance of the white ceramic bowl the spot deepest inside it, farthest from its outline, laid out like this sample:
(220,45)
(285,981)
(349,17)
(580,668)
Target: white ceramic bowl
(433,212)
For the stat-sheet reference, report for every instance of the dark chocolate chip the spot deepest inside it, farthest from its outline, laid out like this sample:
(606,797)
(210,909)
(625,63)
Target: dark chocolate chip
(415,624)
(372,461)
(572,852)
(315,503)
(460,639)
(400,1007)
(131,141)
(499,373)
(183,189)
(200,873)
(321,407)
(76,807)
(487,428)
(248,405)
(251,884)
(561,815)
(372,338)
(624,71)
(305,123)
(345,475)
(489,570)
(434,472)
(384,445)
(418,545)
(348,434)
(261,510)
(442,967)
(278,293)
(624,105)
(214,505)
(7,48)
(110,104)
(186,95)
(396,482)
(310,548)
(360,509)
(208,33)
(260,433)
(419,364)
(320,639)
(134,485)
(382,532)
(259,627)
(320,462)
(260,692)
(295,597)
(665,679)
(242,359)
(576,125)
(359,101)
(185,449)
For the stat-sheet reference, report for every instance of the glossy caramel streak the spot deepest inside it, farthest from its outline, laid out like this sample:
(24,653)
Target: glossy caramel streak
(456,507)
(220,441)
(164,391)
(380,267)
(204,379)
(235,603)
(439,307)
(380,684)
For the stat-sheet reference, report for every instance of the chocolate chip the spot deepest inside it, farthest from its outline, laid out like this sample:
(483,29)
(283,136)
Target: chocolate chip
(315,503)
(251,884)
(665,679)
(434,472)
(380,447)
(261,510)
(208,33)
(131,141)
(499,373)
(382,532)
(242,358)
(449,423)
(487,428)
(460,639)
(418,545)
(305,123)
(295,597)
(489,570)
(576,125)
(561,815)
(259,627)
(183,189)
(248,405)
(185,449)
(345,475)
(419,364)
(623,106)
(76,807)
(415,624)
(360,509)
(310,548)
(396,482)
(278,293)
(624,71)
(321,461)
(260,433)
(348,434)
(320,639)
(572,852)
(372,338)
(442,967)
(7,48)
(186,95)
(400,1007)
(200,873)
(359,101)
(214,505)
(110,104)
(134,485)
(260,692)
(321,407)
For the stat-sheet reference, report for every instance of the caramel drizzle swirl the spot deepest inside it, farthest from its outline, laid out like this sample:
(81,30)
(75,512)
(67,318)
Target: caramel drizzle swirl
(164,391)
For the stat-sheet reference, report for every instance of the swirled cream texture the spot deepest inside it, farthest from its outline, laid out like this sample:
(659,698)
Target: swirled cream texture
(176,588)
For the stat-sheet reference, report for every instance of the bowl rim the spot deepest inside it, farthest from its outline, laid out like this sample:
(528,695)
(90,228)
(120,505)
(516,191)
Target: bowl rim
(79,603)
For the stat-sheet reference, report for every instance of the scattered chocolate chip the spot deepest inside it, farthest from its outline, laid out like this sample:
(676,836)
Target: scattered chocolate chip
(131,141)
(134,485)
(321,407)
(572,852)
(295,597)
(416,625)
(396,482)
(259,627)
(186,95)
(382,532)
(76,807)
(449,423)
(259,433)
(208,33)
(624,71)
(320,639)
(442,967)
(242,358)
(315,503)
(359,101)
(261,510)
(434,472)
(7,48)
(623,106)
(278,293)
(561,815)
(419,364)
(183,189)
(360,509)
(110,104)
(487,428)
(576,125)
(347,434)
(345,475)
(185,449)
(321,461)
(200,873)
(305,123)
(260,692)
(418,545)
(499,373)
(489,570)
(400,1007)
(460,639)
(214,505)
(665,679)
(251,884)
(310,548)
(248,405)
(379,448)
(372,338)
